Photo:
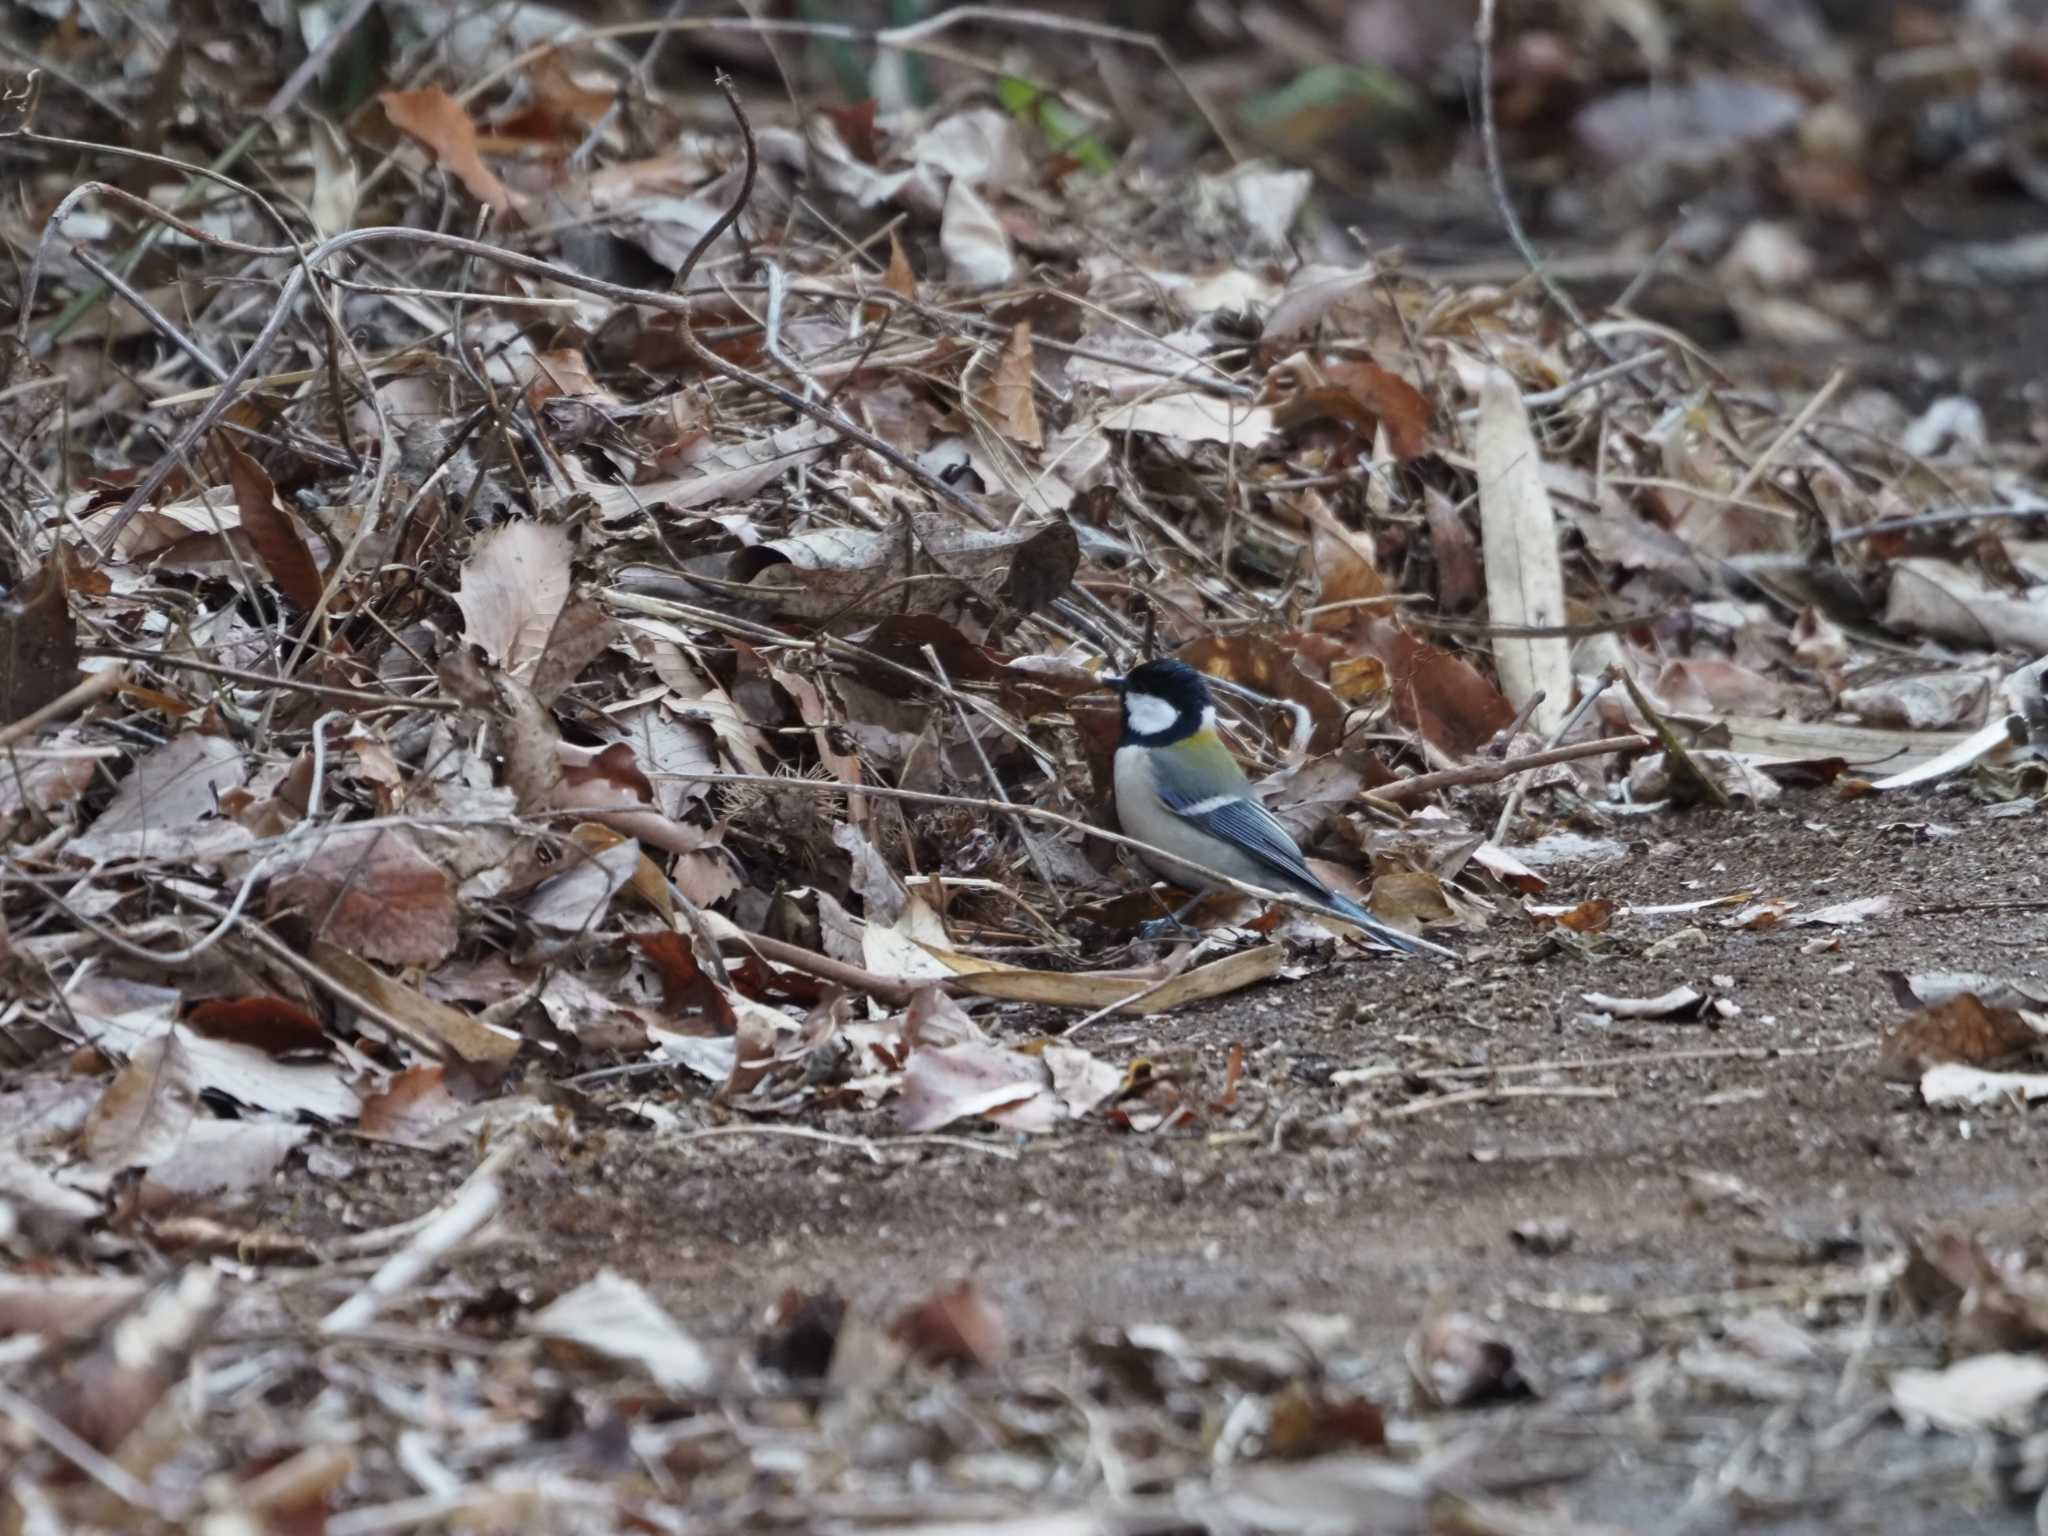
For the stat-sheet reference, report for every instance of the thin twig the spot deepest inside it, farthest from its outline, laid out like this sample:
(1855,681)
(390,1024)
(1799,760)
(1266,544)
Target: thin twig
(456,1221)
(1466,1096)
(66,1442)
(1571,722)
(98,686)
(1488,773)
(1798,424)
(1496,177)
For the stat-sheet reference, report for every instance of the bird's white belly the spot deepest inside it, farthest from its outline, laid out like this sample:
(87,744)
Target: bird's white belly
(1141,814)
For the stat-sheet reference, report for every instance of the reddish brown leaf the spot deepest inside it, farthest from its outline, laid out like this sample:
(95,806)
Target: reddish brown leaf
(373,893)
(272,533)
(955,1326)
(856,125)
(1963,1029)
(1363,395)
(271,1024)
(411,1107)
(685,988)
(1005,391)
(1450,701)
(439,122)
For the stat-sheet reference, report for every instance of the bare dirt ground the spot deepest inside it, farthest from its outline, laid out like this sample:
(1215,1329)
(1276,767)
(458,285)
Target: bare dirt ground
(1320,1196)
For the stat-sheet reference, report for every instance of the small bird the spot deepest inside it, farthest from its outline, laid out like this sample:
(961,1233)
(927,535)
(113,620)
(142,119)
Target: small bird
(1178,788)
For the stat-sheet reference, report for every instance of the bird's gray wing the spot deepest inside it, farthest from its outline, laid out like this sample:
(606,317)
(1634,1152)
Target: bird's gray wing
(1243,823)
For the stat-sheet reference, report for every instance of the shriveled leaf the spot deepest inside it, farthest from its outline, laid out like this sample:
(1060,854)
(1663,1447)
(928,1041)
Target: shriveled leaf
(977,247)
(146,1109)
(439,122)
(958,1082)
(272,532)
(1006,391)
(1524,577)
(615,1319)
(168,806)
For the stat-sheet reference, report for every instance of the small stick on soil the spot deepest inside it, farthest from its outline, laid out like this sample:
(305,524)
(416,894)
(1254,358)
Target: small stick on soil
(1488,773)
(1514,800)
(1491,1095)
(871,1145)
(458,1220)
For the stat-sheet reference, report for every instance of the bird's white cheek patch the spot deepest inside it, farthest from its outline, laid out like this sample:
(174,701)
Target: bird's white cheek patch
(1149,714)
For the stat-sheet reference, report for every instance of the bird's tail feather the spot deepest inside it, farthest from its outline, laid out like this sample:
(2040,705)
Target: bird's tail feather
(1352,912)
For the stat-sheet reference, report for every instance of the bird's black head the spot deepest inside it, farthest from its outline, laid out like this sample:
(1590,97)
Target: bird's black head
(1163,701)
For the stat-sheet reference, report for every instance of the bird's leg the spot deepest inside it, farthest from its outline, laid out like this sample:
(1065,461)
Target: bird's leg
(1175,926)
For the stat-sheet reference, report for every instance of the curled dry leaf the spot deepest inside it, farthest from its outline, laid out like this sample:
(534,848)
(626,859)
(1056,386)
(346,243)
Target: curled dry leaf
(977,247)
(271,530)
(957,1326)
(1458,1360)
(1006,390)
(615,1319)
(439,122)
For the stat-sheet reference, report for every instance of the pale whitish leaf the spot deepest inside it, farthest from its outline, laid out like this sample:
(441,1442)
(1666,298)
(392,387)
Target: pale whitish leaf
(1524,577)
(977,247)
(232,1156)
(1995,1391)
(1679,1000)
(40,1204)
(514,585)
(1927,701)
(942,1084)
(333,204)
(122,1016)
(978,147)
(722,471)
(1194,418)
(1267,199)
(1844,914)
(1951,1085)
(900,948)
(1083,1082)
(612,1317)
(696,701)
(146,1109)
(576,900)
(1946,601)
(159,807)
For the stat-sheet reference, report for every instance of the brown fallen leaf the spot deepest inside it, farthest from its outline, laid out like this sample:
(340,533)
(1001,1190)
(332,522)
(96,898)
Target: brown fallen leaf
(1006,391)
(1961,1029)
(272,531)
(410,1107)
(372,892)
(957,1325)
(464,1034)
(439,122)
